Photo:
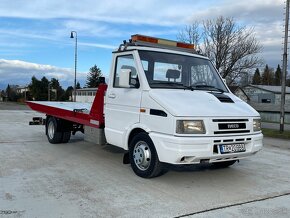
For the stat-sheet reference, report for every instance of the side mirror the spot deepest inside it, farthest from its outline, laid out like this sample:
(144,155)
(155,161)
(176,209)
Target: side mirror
(124,80)
(134,82)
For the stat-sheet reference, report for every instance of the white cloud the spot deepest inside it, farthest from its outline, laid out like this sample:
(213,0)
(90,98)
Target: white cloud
(94,18)
(58,38)
(115,19)
(97,45)
(247,11)
(161,12)
(20,72)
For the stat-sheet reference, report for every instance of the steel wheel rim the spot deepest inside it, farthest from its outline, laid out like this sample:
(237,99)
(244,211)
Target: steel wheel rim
(50,130)
(142,155)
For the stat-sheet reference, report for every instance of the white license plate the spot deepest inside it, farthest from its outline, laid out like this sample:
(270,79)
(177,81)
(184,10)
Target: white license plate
(232,148)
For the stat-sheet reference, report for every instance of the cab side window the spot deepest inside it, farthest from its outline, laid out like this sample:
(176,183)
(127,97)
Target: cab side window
(124,62)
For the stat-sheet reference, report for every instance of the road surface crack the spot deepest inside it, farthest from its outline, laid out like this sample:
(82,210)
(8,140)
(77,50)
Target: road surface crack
(234,205)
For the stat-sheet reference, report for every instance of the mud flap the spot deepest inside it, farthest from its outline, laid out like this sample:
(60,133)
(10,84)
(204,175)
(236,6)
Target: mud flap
(126,159)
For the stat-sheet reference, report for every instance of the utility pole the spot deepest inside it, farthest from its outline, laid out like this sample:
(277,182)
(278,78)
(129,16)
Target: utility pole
(76,54)
(284,70)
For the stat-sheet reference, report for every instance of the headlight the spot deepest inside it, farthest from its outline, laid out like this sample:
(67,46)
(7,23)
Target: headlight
(256,125)
(190,127)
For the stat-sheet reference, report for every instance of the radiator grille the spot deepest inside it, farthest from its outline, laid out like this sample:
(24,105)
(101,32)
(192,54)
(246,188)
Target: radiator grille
(231,126)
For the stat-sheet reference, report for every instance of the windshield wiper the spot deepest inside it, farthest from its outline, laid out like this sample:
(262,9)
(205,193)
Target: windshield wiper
(210,88)
(172,84)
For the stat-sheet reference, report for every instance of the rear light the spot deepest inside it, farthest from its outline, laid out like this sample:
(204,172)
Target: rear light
(149,39)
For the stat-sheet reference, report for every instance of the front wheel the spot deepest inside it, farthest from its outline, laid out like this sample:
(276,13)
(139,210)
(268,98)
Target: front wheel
(143,157)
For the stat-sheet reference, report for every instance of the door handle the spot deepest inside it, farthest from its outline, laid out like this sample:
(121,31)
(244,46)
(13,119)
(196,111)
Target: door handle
(112,95)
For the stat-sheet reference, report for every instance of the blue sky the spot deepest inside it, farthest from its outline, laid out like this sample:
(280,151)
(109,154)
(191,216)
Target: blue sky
(34,34)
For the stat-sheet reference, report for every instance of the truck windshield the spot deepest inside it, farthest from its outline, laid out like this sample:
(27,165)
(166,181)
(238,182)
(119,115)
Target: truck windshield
(173,71)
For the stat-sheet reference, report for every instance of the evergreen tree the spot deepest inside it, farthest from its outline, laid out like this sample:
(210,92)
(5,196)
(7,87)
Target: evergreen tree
(39,88)
(93,77)
(34,87)
(257,77)
(8,92)
(278,74)
(57,91)
(78,85)
(11,93)
(67,94)
(44,89)
(268,76)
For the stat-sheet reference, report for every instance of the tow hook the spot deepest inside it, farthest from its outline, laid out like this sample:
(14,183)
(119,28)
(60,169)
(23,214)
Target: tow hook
(37,121)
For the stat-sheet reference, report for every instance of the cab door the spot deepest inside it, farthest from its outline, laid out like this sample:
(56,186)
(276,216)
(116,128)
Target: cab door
(122,107)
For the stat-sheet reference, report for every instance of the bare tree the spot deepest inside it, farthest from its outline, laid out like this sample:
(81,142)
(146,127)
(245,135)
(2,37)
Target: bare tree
(190,34)
(233,49)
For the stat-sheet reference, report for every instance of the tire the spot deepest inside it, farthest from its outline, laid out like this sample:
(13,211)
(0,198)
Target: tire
(224,164)
(143,157)
(65,137)
(53,135)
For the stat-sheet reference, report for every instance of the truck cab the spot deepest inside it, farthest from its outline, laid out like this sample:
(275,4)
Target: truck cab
(165,103)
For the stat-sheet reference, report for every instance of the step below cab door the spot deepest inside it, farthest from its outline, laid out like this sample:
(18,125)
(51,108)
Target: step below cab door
(122,107)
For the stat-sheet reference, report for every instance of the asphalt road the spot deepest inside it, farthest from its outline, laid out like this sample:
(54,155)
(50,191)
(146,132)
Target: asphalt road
(80,179)
(13,106)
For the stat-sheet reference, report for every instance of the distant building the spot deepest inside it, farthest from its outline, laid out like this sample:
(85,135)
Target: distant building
(266,94)
(239,92)
(3,96)
(86,94)
(21,89)
(267,101)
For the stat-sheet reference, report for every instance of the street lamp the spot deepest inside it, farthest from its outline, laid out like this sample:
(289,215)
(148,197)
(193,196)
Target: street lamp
(72,33)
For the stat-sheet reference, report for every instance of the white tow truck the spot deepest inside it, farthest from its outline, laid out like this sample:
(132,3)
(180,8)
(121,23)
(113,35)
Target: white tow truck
(164,103)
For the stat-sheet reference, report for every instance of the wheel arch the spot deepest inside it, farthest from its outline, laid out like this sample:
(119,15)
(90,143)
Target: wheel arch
(136,129)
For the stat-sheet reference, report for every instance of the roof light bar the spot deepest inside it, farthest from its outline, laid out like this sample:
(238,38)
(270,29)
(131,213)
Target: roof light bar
(149,39)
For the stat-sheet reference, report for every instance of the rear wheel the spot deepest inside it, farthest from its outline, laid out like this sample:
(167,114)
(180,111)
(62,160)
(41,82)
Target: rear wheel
(224,164)
(143,157)
(53,135)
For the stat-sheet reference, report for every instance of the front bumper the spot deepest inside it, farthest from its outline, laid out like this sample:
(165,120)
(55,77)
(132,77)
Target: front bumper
(194,150)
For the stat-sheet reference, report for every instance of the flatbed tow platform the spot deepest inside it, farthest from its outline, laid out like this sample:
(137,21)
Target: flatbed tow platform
(89,114)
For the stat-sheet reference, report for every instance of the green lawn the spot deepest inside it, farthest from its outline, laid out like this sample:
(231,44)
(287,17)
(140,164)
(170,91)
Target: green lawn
(276,133)
(266,121)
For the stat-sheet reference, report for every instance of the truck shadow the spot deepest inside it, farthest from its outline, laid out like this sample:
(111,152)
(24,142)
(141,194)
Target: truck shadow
(192,167)
(111,149)
(76,138)
(169,167)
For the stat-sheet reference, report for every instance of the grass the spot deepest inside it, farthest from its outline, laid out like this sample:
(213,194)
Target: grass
(276,133)
(266,121)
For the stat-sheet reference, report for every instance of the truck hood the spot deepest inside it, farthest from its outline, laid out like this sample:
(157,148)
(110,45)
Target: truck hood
(187,103)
